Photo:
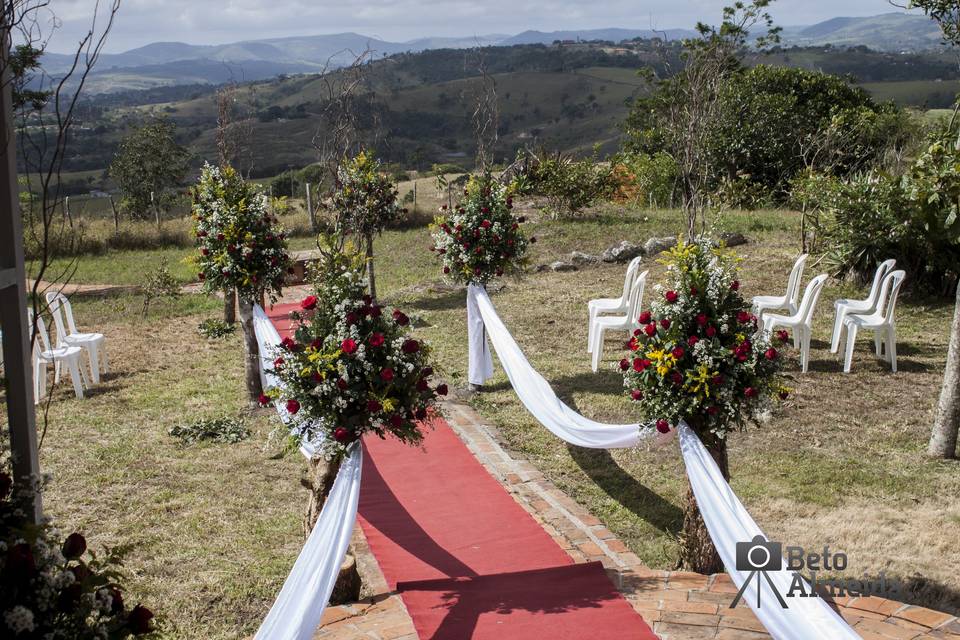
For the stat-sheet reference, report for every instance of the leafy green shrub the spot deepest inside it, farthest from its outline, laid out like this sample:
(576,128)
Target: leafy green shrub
(653,178)
(445,168)
(215,328)
(223,429)
(160,283)
(572,185)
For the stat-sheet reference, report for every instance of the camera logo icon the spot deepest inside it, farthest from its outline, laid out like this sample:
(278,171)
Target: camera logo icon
(759,555)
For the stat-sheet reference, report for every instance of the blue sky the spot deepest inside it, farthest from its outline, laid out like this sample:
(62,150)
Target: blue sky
(217,21)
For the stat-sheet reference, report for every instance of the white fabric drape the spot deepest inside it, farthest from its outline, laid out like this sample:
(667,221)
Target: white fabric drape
(298,608)
(479,360)
(728,522)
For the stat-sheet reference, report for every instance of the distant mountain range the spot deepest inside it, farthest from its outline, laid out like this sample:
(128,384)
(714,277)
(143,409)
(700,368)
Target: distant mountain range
(175,63)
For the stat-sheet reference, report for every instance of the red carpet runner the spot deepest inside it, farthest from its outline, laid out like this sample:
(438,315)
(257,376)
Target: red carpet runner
(468,561)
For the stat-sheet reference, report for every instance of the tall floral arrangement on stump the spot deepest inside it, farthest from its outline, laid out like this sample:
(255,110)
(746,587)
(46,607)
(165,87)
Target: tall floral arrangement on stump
(365,203)
(52,586)
(699,358)
(480,239)
(241,248)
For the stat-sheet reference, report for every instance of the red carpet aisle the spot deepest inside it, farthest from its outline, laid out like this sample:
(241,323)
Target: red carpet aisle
(468,560)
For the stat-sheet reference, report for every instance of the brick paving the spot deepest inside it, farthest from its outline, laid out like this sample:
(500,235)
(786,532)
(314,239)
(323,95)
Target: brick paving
(677,605)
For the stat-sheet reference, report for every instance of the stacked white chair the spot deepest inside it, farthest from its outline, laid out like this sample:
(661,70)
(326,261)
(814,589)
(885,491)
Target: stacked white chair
(788,301)
(44,355)
(601,306)
(627,322)
(866,306)
(801,321)
(880,320)
(68,335)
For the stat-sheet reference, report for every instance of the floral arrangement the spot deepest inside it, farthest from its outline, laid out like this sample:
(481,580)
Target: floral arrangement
(698,356)
(352,367)
(480,239)
(240,245)
(365,199)
(55,588)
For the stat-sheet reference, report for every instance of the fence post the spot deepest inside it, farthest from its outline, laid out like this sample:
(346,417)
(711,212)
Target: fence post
(116,215)
(313,221)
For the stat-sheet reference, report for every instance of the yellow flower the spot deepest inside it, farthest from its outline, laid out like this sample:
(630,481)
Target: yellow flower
(663,360)
(699,381)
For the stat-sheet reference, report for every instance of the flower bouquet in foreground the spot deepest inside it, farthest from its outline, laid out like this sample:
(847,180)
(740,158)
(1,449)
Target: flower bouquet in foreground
(698,357)
(480,239)
(352,367)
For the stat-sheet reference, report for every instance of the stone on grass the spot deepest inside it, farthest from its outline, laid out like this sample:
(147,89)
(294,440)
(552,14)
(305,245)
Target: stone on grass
(560,265)
(580,258)
(657,245)
(622,252)
(733,239)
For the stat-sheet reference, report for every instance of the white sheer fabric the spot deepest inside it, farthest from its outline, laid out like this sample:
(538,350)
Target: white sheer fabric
(297,610)
(479,361)
(726,518)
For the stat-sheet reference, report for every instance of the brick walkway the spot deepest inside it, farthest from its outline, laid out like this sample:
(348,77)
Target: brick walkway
(677,605)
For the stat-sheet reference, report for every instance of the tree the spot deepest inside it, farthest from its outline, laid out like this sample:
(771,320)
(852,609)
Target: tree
(365,202)
(148,165)
(687,105)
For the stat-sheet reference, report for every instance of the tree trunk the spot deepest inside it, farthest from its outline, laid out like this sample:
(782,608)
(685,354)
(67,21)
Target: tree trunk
(946,422)
(371,278)
(697,552)
(319,483)
(230,306)
(251,353)
(116,216)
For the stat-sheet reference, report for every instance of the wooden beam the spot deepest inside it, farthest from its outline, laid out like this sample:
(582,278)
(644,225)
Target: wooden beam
(13,299)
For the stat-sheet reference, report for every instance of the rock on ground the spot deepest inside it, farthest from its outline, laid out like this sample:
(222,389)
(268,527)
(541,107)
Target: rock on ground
(654,246)
(622,252)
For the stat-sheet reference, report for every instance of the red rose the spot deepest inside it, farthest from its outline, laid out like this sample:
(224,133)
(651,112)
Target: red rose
(693,291)
(717,380)
(711,332)
(671,296)
(743,317)
(139,620)
(74,546)
(205,251)
(650,329)
(442,390)
(533,240)
(341,435)
(637,332)
(422,385)
(288,344)
(376,340)
(712,410)
(771,353)
(426,372)
(782,335)
(420,413)
(202,276)
(352,318)
(348,346)
(677,352)
(636,394)
(477,271)
(263,400)
(396,421)
(485,224)
(663,426)
(309,303)
(278,363)
(644,317)
(446,269)
(317,377)
(702,319)
(499,272)
(735,285)
(293,406)
(410,346)
(386,374)
(665,323)
(375,311)
(220,236)
(341,384)
(692,340)
(750,392)
(624,364)
(373,406)
(400,318)
(676,377)
(638,365)
(316,344)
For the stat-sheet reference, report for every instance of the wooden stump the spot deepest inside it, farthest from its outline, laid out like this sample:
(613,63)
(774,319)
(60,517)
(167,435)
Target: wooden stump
(697,552)
(319,483)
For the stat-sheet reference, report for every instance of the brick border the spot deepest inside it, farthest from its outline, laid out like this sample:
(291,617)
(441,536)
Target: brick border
(677,605)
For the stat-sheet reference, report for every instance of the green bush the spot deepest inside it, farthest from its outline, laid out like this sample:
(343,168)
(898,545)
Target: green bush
(572,185)
(215,328)
(654,178)
(223,429)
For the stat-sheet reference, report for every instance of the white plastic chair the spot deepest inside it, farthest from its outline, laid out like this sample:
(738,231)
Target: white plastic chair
(788,301)
(67,334)
(866,306)
(800,322)
(600,306)
(43,355)
(881,321)
(626,322)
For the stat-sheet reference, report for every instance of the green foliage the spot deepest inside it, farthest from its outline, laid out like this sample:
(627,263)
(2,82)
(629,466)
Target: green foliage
(652,176)
(214,328)
(223,429)
(159,283)
(571,185)
(24,63)
(241,246)
(365,200)
(149,160)
(947,15)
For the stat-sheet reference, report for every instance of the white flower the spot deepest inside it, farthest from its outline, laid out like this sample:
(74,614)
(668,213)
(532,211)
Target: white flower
(19,619)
